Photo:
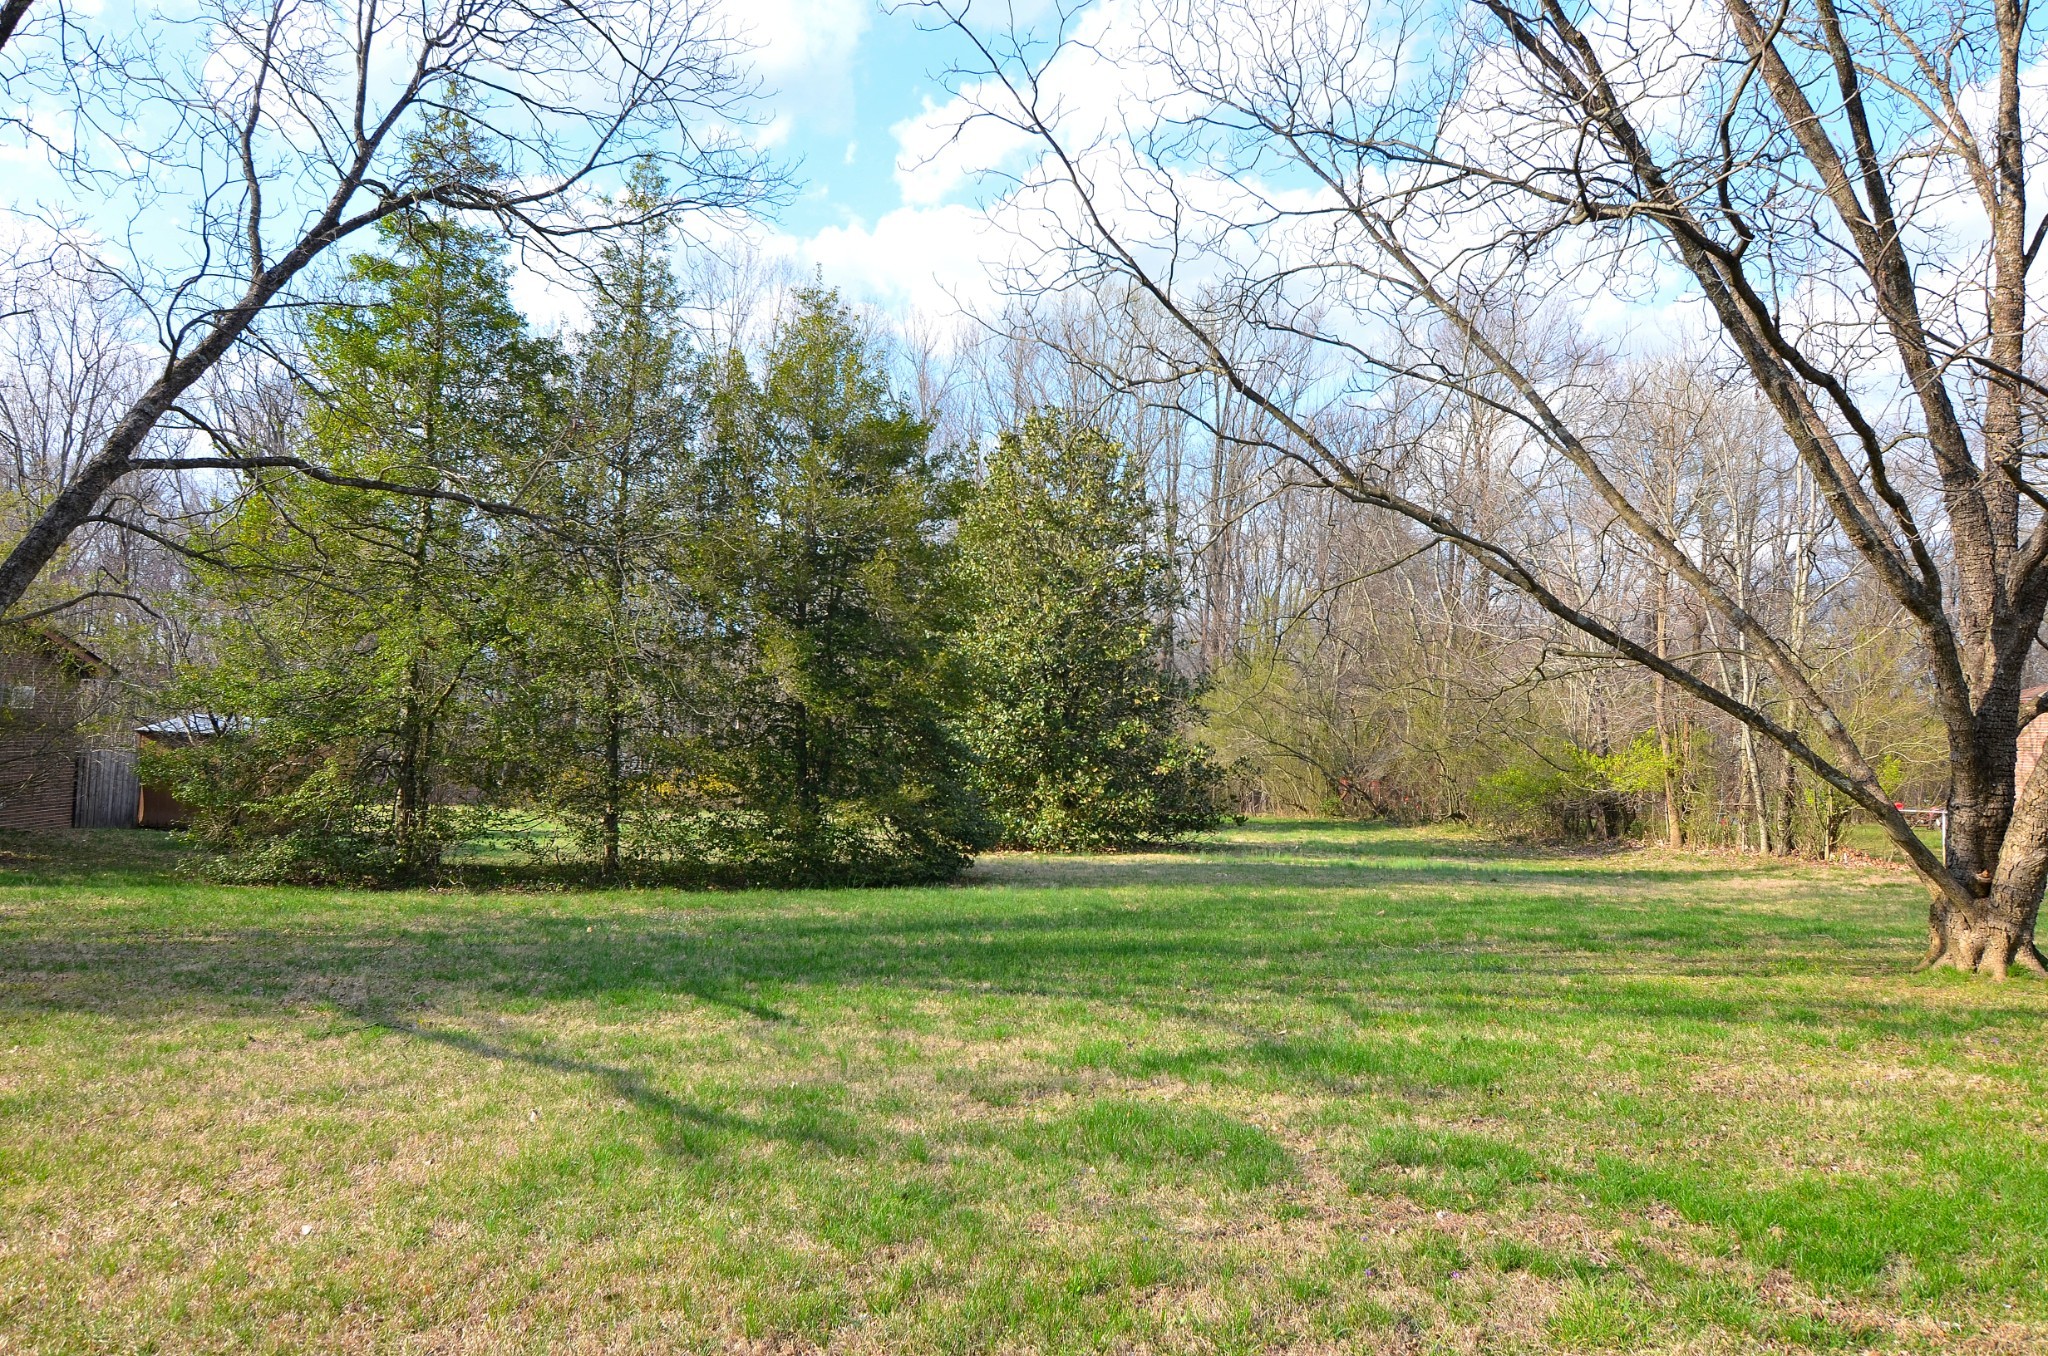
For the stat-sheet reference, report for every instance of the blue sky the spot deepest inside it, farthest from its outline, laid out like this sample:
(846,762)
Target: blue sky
(841,110)
(838,78)
(843,78)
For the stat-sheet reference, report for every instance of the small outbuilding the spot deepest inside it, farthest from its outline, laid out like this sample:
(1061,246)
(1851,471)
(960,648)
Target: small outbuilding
(43,701)
(160,809)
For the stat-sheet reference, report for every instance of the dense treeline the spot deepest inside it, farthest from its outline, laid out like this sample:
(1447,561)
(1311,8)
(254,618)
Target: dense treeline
(1356,665)
(831,602)
(815,600)
(721,615)
(799,597)
(1374,671)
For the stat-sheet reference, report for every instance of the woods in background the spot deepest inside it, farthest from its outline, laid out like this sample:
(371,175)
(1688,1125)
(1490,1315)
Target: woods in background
(840,603)
(1404,242)
(718,616)
(1354,664)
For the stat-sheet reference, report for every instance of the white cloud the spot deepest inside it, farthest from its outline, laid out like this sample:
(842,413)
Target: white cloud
(804,52)
(979,196)
(935,260)
(940,150)
(549,303)
(1088,88)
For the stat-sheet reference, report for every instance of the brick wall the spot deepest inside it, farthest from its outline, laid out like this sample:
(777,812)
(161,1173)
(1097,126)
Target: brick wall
(39,798)
(2033,738)
(38,740)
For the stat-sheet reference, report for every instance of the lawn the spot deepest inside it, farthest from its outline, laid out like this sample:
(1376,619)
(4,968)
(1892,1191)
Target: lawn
(1313,1088)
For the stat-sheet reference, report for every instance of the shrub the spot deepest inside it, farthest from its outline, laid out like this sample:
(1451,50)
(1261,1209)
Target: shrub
(1081,725)
(1571,791)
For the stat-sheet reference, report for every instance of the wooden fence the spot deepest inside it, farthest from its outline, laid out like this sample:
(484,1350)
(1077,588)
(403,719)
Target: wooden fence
(108,794)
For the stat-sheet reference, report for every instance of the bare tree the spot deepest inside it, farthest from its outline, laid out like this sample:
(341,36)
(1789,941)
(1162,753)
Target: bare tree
(70,366)
(235,149)
(1839,191)
(11,15)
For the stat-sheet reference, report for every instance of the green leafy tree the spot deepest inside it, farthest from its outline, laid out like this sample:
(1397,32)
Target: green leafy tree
(1080,723)
(355,622)
(610,616)
(835,594)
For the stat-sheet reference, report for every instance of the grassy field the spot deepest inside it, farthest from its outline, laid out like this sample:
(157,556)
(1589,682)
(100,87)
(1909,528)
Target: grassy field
(1869,839)
(1315,1088)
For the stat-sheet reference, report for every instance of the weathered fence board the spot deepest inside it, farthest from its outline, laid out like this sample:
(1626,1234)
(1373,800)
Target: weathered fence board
(108,793)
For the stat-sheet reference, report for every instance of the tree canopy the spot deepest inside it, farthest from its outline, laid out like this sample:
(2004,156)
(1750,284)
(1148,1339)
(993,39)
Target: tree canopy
(1081,721)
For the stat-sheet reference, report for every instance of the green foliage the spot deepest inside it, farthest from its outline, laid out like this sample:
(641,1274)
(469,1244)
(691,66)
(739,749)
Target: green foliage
(352,623)
(1349,705)
(1573,790)
(834,593)
(1290,731)
(1638,768)
(605,633)
(724,658)
(1080,723)
(289,803)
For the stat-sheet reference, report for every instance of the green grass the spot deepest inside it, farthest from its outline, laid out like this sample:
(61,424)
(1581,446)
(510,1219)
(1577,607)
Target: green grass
(1870,839)
(1312,1088)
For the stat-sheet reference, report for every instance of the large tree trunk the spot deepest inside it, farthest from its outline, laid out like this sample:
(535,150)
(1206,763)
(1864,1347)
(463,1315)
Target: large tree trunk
(11,15)
(2004,856)
(75,505)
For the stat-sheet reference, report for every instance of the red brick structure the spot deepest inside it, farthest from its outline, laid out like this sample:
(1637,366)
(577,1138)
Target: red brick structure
(2033,738)
(41,704)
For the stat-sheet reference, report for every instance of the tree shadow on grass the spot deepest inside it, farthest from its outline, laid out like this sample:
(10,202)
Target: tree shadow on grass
(774,958)
(1309,855)
(1242,919)
(1419,994)
(682,1128)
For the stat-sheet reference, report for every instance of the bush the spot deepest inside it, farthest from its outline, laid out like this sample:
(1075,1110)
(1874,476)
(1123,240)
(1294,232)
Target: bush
(278,813)
(852,844)
(1081,727)
(1570,791)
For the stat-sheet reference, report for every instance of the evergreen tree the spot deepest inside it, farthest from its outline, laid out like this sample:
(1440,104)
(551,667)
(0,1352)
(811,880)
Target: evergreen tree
(355,622)
(1080,722)
(836,592)
(608,631)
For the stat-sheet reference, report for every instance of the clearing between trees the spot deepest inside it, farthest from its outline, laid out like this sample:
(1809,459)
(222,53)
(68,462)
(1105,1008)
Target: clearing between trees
(1308,1087)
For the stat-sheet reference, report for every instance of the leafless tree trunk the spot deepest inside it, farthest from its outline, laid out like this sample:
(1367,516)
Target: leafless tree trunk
(1411,224)
(11,15)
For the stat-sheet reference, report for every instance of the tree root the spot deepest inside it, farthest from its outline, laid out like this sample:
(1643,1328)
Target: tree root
(1986,951)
